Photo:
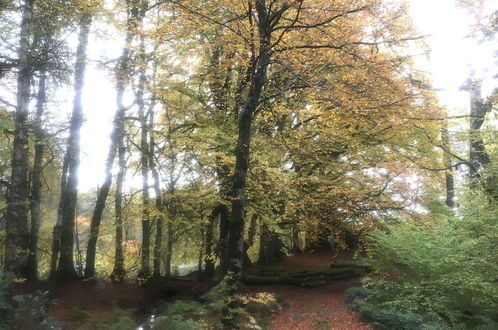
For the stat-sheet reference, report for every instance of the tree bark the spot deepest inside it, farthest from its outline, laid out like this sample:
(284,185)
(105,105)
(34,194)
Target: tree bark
(477,152)
(16,232)
(169,249)
(56,240)
(144,160)
(222,249)
(296,242)
(209,245)
(36,181)
(220,211)
(158,204)
(450,181)
(118,272)
(69,195)
(242,154)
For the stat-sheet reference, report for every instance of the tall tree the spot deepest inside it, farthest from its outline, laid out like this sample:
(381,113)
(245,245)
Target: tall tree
(17,234)
(118,271)
(36,179)
(159,206)
(69,193)
(144,161)
(265,24)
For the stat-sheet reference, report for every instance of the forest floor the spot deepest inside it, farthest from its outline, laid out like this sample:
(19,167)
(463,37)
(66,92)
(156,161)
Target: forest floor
(97,304)
(320,308)
(93,305)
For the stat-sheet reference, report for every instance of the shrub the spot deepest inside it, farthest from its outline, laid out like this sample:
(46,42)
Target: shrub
(447,270)
(5,300)
(182,315)
(366,303)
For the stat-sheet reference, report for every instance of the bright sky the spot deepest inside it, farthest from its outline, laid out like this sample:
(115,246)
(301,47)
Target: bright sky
(453,55)
(452,59)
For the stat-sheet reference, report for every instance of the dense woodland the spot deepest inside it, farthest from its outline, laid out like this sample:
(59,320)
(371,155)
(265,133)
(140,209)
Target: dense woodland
(244,131)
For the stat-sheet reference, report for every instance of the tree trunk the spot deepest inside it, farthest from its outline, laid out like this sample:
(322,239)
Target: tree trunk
(296,242)
(69,195)
(222,249)
(118,272)
(242,154)
(270,246)
(144,160)
(201,253)
(450,182)
(477,153)
(117,136)
(209,246)
(56,240)
(169,249)
(36,181)
(209,251)
(158,202)
(16,231)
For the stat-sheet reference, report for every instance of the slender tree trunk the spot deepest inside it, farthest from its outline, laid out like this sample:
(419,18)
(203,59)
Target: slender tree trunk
(79,255)
(36,181)
(56,241)
(220,211)
(201,253)
(450,182)
(270,246)
(16,232)
(169,249)
(158,203)
(144,160)
(208,245)
(117,136)
(69,194)
(296,242)
(118,272)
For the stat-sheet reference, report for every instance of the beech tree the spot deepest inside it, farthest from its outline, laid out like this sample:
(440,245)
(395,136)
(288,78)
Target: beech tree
(17,234)
(69,192)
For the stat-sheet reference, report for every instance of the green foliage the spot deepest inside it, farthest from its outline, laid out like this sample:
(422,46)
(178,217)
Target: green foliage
(366,303)
(31,311)
(182,315)
(28,311)
(252,311)
(117,319)
(5,303)
(124,321)
(446,270)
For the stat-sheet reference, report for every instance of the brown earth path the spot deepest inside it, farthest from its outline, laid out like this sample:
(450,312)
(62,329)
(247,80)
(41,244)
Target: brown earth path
(320,308)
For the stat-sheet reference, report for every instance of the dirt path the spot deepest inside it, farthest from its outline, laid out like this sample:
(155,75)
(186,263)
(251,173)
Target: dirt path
(316,308)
